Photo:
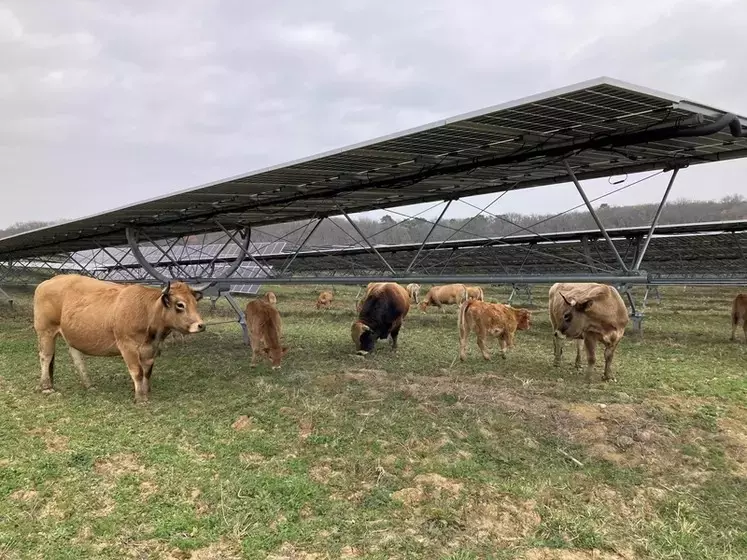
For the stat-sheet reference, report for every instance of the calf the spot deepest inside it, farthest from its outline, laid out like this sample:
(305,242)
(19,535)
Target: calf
(264,324)
(381,315)
(496,319)
(739,315)
(271,298)
(97,318)
(439,296)
(475,292)
(324,299)
(588,313)
(414,291)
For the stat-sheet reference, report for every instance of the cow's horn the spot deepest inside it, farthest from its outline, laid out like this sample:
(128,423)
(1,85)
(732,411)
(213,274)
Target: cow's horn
(166,288)
(565,299)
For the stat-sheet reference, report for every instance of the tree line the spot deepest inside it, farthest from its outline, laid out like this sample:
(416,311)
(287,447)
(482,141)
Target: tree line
(393,229)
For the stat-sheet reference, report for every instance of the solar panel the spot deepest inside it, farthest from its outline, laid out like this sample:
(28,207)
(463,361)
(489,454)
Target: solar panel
(600,128)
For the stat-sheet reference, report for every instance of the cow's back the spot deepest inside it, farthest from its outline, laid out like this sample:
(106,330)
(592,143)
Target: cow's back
(58,294)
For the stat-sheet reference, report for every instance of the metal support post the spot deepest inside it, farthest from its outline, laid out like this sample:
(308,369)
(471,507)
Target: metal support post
(593,213)
(244,249)
(365,239)
(428,235)
(241,318)
(293,258)
(6,297)
(655,221)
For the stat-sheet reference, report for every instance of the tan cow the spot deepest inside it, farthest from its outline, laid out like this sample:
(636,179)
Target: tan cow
(588,313)
(439,296)
(414,291)
(265,326)
(380,315)
(98,318)
(475,292)
(271,298)
(739,315)
(324,299)
(495,319)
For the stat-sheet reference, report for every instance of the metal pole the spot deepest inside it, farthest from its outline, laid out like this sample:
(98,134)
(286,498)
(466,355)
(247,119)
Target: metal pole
(655,222)
(619,259)
(244,249)
(430,231)
(293,258)
(355,227)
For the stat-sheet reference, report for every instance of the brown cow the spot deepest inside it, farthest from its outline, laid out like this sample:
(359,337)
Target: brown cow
(381,314)
(496,319)
(439,296)
(98,318)
(324,299)
(264,324)
(475,292)
(271,298)
(414,291)
(739,315)
(590,313)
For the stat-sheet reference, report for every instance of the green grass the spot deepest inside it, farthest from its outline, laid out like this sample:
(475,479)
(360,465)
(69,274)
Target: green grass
(406,455)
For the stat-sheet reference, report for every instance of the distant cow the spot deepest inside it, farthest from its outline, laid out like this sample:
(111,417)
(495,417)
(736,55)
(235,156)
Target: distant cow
(439,296)
(271,298)
(475,292)
(324,299)
(381,314)
(98,318)
(495,319)
(739,315)
(590,313)
(414,291)
(265,326)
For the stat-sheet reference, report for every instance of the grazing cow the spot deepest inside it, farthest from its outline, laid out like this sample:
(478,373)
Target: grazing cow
(271,298)
(381,314)
(475,292)
(739,315)
(588,313)
(264,324)
(439,296)
(414,291)
(495,319)
(324,299)
(98,318)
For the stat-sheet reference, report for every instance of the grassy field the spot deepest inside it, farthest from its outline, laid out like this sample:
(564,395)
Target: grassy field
(406,455)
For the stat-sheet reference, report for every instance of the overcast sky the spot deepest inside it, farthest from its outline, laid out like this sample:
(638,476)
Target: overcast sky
(106,103)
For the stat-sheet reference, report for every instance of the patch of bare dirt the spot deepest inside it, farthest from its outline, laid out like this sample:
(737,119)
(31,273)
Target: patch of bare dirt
(305,428)
(575,554)
(118,465)
(323,473)
(350,552)
(733,435)
(147,489)
(289,552)
(242,423)
(502,518)
(24,495)
(427,487)
(252,458)
(216,551)
(55,443)
(104,506)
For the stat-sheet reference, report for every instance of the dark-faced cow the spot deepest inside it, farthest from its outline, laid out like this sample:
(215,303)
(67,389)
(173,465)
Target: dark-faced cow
(494,319)
(98,318)
(587,313)
(381,314)
(265,326)
(739,315)
(439,296)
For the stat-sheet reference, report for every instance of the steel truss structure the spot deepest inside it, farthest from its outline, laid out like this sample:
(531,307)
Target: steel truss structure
(599,128)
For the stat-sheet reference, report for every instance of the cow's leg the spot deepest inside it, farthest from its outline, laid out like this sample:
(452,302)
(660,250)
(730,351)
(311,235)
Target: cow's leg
(131,358)
(464,337)
(591,355)
(579,343)
(147,359)
(80,365)
(744,328)
(505,341)
(609,352)
(394,334)
(734,325)
(482,334)
(557,343)
(47,341)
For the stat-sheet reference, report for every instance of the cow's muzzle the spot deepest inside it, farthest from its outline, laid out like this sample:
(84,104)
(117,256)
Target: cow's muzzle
(197,327)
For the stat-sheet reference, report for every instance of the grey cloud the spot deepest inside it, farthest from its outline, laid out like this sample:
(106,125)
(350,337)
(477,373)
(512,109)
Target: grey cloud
(107,103)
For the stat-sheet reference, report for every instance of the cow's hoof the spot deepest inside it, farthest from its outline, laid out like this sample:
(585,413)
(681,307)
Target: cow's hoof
(48,391)
(362,353)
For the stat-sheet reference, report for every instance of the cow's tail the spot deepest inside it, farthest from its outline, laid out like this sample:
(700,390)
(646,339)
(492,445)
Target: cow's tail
(462,318)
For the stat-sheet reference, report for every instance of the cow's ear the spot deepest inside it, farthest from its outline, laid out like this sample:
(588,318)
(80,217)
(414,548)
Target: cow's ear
(165,296)
(584,305)
(197,294)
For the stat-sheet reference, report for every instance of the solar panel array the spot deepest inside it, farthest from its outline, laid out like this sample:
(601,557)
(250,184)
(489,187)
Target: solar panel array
(600,128)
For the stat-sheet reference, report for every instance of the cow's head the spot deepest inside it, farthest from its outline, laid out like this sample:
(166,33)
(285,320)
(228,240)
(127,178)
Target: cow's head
(575,319)
(363,337)
(275,355)
(523,319)
(180,311)
(423,306)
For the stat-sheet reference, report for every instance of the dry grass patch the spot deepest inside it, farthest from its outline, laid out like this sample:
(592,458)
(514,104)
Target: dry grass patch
(573,554)
(120,464)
